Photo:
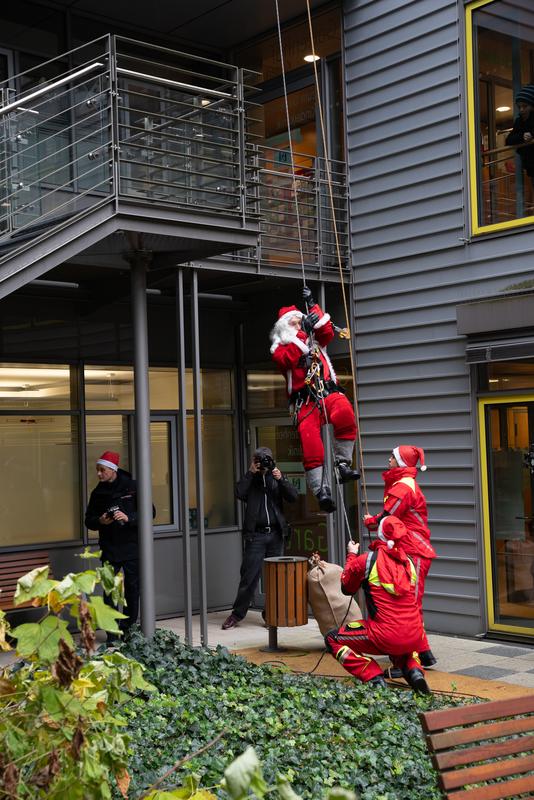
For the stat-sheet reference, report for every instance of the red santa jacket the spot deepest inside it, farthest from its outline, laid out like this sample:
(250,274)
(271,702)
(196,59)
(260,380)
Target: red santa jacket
(288,356)
(404,499)
(389,579)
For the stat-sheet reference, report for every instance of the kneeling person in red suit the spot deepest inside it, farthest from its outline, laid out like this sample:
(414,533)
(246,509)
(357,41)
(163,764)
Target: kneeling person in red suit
(394,627)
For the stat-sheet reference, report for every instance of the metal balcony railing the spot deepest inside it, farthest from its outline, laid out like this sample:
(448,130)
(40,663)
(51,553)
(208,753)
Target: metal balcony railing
(117,120)
(505,192)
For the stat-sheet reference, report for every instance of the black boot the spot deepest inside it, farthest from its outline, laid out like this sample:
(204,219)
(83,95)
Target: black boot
(417,681)
(324,497)
(346,473)
(378,680)
(427,658)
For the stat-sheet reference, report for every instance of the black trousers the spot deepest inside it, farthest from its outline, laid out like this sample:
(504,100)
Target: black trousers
(257,547)
(130,568)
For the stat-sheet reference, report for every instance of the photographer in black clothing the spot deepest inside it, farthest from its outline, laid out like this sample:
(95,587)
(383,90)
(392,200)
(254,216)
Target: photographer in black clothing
(522,133)
(263,488)
(112,511)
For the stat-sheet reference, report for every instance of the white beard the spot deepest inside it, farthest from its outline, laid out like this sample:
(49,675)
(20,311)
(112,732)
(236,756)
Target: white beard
(282,333)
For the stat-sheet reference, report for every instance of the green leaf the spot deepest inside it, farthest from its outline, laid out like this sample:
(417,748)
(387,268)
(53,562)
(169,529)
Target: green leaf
(104,617)
(76,584)
(58,703)
(88,553)
(33,584)
(284,789)
(42,638)
(244,773)
(340,794)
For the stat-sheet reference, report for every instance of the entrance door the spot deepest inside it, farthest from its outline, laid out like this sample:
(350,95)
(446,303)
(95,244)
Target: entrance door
(507,444)
(308,524)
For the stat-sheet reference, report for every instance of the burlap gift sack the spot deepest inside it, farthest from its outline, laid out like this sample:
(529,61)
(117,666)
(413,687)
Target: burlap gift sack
(329,606)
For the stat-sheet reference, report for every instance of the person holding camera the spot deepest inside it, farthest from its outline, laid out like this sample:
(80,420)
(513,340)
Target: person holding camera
(298,348)
(112,511)
(263,488)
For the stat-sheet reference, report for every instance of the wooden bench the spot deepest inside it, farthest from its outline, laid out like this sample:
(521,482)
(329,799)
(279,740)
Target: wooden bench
(464,743)
(12,567)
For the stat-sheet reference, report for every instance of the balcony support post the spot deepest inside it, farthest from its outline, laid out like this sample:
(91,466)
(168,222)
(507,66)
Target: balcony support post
(139,263)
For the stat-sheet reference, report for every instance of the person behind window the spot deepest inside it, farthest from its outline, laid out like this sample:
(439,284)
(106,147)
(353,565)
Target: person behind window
(112,511)
(522,132)
(263,488)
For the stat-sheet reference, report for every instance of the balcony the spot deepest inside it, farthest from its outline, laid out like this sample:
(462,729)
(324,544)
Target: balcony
(119,136)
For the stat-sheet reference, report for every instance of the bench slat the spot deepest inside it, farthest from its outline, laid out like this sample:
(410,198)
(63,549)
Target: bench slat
(446,740)
(487,772)
(455,758)
(497,791)
(479,712)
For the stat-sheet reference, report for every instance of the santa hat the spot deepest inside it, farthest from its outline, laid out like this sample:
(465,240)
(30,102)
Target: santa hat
(391,530)
(406,455)
(286,312)
(109,459)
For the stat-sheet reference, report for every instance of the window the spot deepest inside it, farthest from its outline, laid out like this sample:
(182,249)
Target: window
(500,61)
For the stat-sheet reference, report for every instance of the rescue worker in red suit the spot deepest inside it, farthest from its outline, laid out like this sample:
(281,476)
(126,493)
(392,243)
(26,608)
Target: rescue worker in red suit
(394,627)
(299,351)
(404,499)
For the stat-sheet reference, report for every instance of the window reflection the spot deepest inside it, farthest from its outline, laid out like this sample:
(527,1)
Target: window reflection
(217,470)
(39,501)
(33,386)
(503,57)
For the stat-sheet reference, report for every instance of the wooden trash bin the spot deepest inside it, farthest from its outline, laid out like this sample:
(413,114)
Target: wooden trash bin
(286,594)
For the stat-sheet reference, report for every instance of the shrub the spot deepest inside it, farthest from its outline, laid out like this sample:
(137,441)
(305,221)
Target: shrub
(317,731)
(62,736)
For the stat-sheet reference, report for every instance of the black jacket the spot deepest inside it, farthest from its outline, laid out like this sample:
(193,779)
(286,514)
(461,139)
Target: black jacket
(250,489)
(117,542)
(515,137)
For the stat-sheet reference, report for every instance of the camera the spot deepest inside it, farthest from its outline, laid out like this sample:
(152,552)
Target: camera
(266,462)
(111,511)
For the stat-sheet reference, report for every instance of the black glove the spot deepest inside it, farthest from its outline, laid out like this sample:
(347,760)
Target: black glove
(308,297)
(308,323)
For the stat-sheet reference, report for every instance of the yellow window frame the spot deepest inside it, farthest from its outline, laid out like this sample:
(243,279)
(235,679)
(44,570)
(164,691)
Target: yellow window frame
(476,228)
(486,519)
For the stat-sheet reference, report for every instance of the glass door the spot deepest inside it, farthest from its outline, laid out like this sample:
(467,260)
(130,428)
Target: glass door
(507,468)
(308,524)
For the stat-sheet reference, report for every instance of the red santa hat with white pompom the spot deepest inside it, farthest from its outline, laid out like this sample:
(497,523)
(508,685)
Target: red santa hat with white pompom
(406,455)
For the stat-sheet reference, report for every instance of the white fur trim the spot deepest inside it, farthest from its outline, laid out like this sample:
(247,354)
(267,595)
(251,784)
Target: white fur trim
(397,457)
(109,464)
(324,319)
(294,340)
(333,376)
(287,316)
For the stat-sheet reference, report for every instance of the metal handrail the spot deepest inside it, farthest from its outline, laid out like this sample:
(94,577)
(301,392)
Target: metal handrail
(49,87)
(168,82)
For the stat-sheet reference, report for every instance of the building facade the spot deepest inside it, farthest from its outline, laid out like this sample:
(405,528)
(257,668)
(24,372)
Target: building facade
(441,220)
(152,221)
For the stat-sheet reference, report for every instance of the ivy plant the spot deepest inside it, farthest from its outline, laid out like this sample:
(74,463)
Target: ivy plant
(62,735)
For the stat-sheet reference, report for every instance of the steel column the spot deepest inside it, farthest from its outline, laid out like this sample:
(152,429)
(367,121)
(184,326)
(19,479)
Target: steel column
(139,262)
(184,471)
(199,463)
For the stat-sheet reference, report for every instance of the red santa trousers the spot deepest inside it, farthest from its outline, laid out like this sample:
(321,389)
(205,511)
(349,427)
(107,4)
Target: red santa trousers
(351,642)
(339,413)
(422,566)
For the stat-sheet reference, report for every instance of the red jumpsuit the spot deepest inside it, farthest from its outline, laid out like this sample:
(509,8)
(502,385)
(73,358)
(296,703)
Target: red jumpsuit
(290,360)
(394,627)
(404,499)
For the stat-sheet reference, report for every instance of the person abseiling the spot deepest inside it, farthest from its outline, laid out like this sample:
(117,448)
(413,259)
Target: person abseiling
(404,499)
(298,348)
(394,627)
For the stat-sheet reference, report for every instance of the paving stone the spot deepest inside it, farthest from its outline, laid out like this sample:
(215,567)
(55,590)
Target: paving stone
(507,652)
(482,671)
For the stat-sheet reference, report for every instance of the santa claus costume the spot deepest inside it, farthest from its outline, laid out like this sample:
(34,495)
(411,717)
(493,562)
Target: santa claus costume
(388,578)
(298,348)
(404,499)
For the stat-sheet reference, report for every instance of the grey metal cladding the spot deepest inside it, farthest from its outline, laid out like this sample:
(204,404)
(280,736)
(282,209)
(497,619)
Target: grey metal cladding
(404,133)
